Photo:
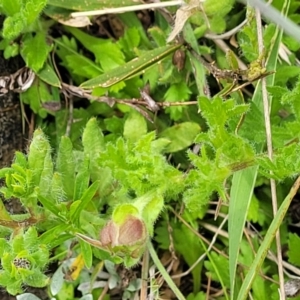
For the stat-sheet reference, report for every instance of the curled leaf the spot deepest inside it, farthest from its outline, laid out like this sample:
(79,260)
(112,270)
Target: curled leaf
(182,16)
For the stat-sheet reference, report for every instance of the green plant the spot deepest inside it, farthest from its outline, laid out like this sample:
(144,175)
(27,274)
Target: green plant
(102,188)
(131,185)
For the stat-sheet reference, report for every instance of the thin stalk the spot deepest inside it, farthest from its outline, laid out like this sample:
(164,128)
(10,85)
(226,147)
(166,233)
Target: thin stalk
(270,149)
(145,269)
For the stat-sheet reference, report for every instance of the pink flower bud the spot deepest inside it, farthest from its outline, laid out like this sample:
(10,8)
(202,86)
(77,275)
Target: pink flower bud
(109,234)
(131,232)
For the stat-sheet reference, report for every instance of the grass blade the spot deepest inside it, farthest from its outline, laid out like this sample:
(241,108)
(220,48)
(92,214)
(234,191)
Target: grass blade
(132,68)
(244,181)
(240,197)
(263,249)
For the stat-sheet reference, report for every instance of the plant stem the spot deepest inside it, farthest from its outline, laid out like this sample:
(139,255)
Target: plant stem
(269,148)
(163,272)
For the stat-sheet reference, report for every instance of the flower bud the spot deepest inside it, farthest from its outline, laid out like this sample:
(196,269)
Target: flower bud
(131,232)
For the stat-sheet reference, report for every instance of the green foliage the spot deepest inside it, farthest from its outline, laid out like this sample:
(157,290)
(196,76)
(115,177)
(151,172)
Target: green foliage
(218,268)
(65,195)
(254,214)
(177,92)
(35,50)
(285,163)
(23,260)
(96,180)
(139,167)
(180,136)
(191,249)
(38,94)
(214,7)
(100,48)
(20,16)
(294,243)
(292,99)
(261,290)
(129,42)
(134,126)
(132,68)
(247,37)
(198,296)
(220,153)
(23,33)
(76,63)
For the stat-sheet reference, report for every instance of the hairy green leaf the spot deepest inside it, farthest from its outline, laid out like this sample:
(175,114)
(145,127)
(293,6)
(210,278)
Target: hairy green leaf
(65,165)
(82,179)
(135,126)
(11,7)
(38,151)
